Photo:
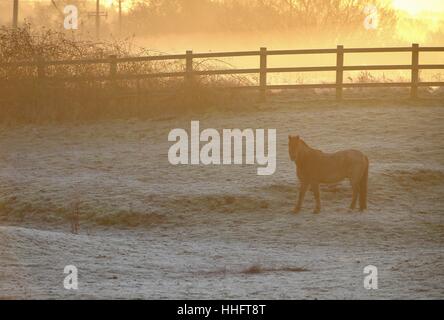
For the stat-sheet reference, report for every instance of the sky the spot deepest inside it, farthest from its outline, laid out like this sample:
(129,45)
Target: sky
(430,14)
(415,7)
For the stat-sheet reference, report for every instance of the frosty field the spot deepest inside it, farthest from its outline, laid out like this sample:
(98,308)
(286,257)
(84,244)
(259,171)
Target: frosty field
(152,230)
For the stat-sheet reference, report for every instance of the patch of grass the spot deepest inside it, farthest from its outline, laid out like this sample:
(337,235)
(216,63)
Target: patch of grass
(128,219)
(256,269)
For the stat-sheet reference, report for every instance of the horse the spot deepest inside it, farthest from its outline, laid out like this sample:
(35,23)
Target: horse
(314,167)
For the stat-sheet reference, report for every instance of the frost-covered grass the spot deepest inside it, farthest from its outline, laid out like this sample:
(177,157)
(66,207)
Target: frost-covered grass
(152,230)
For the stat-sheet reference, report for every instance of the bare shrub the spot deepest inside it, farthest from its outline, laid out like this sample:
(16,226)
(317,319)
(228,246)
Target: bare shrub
(30,94)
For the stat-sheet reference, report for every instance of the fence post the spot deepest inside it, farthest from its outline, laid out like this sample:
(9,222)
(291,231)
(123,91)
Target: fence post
(188,76)
(188,93)
(138,93)
(415,71)
(41,74)
(112,76)
(339,71)
(189,67)
(40,68)
(263,74)
(113,66)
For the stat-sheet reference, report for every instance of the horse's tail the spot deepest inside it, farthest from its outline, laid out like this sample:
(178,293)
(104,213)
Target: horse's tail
(363,188)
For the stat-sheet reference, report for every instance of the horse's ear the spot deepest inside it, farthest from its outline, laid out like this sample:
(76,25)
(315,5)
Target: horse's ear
(289,137)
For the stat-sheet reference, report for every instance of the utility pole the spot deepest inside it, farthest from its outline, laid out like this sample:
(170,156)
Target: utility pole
(15,14)
(97,19)
(97,14)
(120,17)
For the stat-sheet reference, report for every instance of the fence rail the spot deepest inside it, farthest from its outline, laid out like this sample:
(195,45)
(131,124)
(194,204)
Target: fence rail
(263,70)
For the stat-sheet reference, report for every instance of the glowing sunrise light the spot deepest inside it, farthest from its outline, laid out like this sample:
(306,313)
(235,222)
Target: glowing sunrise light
(126,4)
(415,7)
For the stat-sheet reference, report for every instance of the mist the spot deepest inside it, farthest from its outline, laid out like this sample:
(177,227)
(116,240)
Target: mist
(225,25)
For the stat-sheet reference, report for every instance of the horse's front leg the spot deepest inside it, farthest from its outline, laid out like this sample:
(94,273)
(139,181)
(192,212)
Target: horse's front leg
(302,191)
(317,195)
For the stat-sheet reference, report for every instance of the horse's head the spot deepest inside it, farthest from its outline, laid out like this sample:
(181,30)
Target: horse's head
(293,147)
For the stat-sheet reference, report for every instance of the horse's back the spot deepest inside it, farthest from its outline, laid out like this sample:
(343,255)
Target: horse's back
(355,163)
(353,156)
(337,166)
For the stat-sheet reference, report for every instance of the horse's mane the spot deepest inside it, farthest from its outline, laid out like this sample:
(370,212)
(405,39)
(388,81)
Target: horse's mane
(309,148)
(304,143)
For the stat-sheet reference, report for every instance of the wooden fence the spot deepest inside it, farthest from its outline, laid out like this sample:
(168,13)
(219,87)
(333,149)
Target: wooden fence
(262,71)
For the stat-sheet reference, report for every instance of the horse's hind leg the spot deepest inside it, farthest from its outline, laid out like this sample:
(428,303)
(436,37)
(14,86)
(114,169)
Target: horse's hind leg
(355,190)
(315,188)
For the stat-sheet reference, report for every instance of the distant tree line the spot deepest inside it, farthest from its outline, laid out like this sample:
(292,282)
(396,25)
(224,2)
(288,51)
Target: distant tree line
(178,16)
(154,17)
